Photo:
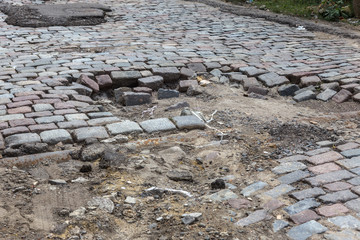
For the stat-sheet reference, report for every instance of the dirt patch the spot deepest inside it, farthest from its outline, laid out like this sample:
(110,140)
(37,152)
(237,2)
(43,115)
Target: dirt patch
(77,14)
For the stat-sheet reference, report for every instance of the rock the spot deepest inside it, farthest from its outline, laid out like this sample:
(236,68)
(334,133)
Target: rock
(112,159)
(85,80)
(239,203)
(306,230)
(153,82)
(279,190)
(248,82)
(173,155)
(311,88)
(143,90)
(222,195)
(309,80)
(57,182)
(125,78)
(197,67)
(92,152)
(279,224)
(356,97)
(333,86)
(130,200)
(167,93)
(194,90)
(170,74)
(55,136)
(157,125)
(272,79)
(303,96)
(177,106)
(258,90)
(326,95)
(254,217)
(224,80)
(132,98)
(187,73)
(104,81)
(78,213)
(253,188)
(102,203)
(79,180)
(188,220)
(185,84)
(347,221)
(216,73)
(342,96)
(286,167)
(124,127)
(252,71)
(119,94)
(86,168)
(188,122)
(237,77)
(218,184)
(302,205)
(32,148)
(288,89)
(177,175)
(82,134)
(22,138)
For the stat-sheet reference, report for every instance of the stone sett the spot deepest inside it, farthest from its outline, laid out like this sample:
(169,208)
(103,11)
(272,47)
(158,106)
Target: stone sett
(308,193)
(304,216)
(55,136)
(338,186)
(340,196)
(330,177)
(82,134)
(332,210)
(324,168)
(325,157)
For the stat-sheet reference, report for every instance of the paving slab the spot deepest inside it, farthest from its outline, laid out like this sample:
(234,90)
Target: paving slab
(82,134)
(288,167)
(330,177)
(124,127)
(302,205)
(347,221)
(253,188)
(157,125)
(188,122)
(306,230)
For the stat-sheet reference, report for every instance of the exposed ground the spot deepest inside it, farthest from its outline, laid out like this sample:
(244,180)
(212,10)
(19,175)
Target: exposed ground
(138,185)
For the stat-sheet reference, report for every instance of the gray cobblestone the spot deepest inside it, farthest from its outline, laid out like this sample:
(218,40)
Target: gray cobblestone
(157,125)
(90,132)
(306,230)
(124,127)
(302,205)
(55,136)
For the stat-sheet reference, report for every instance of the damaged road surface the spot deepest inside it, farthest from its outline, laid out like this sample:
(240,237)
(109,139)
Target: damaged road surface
(179,121)
(71,14)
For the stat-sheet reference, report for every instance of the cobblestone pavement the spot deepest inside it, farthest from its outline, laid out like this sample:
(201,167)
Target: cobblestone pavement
(41,102)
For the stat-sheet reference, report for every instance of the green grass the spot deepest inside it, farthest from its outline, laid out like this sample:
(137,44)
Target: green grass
(300,8)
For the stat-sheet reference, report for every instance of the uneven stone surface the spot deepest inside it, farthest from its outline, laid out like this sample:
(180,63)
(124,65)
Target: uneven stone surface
(66,87)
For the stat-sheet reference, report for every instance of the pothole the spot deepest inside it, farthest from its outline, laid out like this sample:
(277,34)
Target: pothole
(75,14)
